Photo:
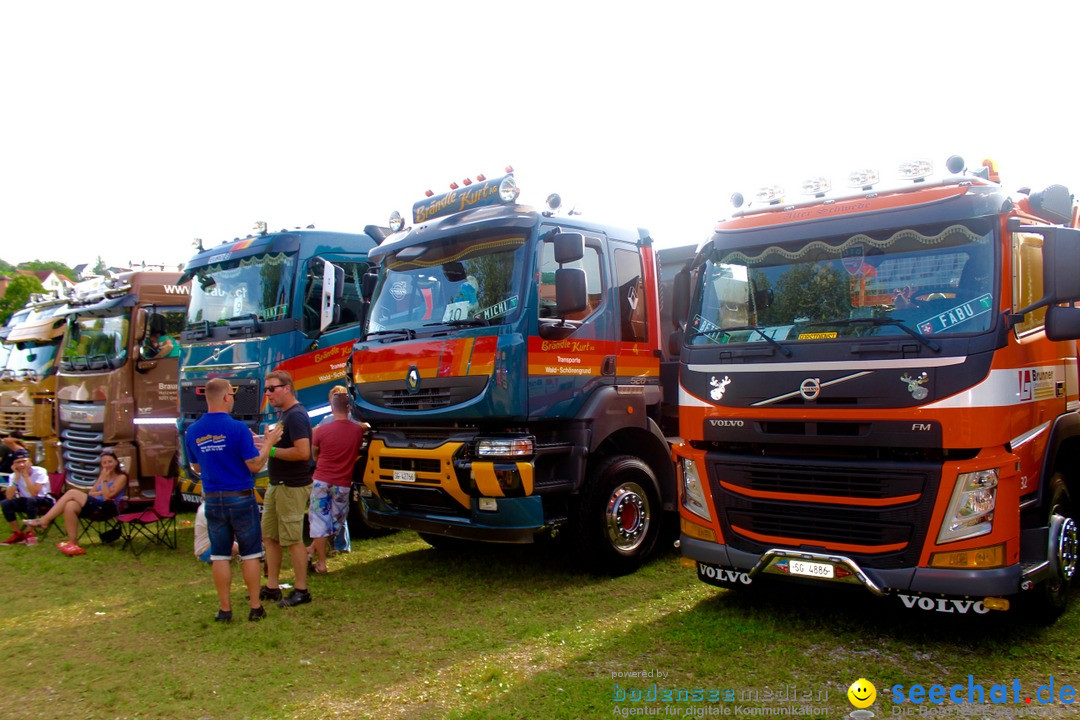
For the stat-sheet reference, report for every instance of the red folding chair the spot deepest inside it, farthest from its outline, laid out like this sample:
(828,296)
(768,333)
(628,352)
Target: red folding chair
(157,523)
(56,491)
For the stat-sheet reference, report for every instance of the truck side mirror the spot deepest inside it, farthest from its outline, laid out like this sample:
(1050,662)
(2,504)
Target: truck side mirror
(569,247)
(571,293)
(141,321)
(367,285)
(333,286)
(680,298)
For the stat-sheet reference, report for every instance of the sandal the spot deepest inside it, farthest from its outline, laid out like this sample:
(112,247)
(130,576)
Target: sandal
(71,549)
(34,523)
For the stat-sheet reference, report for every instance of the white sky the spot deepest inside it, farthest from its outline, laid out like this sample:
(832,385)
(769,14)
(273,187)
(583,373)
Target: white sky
(129,128)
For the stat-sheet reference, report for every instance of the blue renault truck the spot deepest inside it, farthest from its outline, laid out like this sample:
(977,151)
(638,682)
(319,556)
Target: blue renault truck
(511,375)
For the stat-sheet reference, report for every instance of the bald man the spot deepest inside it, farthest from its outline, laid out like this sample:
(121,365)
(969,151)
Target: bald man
(223,451)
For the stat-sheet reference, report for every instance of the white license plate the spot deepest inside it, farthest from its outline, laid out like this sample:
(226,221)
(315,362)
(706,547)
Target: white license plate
(404,476)
(811,569)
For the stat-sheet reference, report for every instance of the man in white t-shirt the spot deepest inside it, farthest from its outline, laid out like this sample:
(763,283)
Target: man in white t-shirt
(28,493)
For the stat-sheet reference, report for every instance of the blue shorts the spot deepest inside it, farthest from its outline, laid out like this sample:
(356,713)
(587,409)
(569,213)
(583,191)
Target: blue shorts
(101,508)
(233,519)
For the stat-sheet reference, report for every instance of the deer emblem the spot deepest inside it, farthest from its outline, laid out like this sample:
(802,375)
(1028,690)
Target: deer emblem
(719,386)
(915,385)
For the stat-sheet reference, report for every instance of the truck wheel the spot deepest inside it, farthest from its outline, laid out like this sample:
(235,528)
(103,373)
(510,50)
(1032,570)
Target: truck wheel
(619,516)
(1049,599)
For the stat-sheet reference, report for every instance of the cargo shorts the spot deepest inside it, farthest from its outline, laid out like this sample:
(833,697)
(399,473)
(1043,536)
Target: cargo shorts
(284,509)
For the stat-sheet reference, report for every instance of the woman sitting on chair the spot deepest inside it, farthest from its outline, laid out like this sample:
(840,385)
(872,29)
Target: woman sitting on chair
(103,500)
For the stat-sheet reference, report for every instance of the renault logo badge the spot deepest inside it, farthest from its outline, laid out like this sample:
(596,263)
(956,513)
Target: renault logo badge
(412,379)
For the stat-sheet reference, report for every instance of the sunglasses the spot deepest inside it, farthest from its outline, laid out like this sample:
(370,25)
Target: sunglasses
(272,388)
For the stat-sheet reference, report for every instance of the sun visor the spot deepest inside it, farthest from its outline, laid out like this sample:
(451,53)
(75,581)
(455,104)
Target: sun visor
(125,300)
(39,331)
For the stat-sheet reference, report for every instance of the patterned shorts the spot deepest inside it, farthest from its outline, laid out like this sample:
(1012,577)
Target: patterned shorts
(328,510)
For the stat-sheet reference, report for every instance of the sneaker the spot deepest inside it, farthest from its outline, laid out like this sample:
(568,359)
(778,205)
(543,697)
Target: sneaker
(71,550)
(30,538)
(223,616)
(16,537)
(268,593)
(296,597)
(256,614)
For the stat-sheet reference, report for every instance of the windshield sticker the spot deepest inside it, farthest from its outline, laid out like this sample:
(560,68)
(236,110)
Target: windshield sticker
(708,328)
(274,313)
(398,289)
(852,257)
(959,314)
(498,309)
(457,310)
(826,335)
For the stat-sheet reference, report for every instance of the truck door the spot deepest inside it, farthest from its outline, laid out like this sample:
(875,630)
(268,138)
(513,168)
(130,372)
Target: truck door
(155,388)
(573,354)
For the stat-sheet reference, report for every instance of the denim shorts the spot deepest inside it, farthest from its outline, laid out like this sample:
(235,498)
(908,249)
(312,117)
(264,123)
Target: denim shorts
(233,518)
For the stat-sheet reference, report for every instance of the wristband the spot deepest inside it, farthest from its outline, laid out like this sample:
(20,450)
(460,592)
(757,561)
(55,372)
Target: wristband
(272,451)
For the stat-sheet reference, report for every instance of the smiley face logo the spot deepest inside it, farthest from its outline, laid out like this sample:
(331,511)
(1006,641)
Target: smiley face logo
(862,693)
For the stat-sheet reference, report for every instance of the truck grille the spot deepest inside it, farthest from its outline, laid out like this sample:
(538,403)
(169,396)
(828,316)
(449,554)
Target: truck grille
(877,515)
(433,393)
(81,451)
(420,499)
(15,420)
(427,399)
(247,401)
(426,465)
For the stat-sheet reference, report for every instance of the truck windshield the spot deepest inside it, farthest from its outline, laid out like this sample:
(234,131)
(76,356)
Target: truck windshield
(30,359)
(95,343)
(466,281)
(255,286)
(929,281)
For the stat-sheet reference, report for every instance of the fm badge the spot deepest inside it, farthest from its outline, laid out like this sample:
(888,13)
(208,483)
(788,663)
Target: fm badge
(412,379)
(915,385)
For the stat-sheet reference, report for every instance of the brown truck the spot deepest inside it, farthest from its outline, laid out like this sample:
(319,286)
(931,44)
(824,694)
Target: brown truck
(117,384)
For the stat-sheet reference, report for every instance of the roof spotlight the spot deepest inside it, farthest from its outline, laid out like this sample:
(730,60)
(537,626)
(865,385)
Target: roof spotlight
(554,202)
(955,164)
(737,199)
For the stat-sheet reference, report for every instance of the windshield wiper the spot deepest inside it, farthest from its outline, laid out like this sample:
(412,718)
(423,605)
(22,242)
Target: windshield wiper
(464,322)
(728,331)
(879,321)
(407,333)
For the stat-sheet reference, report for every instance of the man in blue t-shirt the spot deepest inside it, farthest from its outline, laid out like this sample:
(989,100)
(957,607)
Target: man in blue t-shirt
(223,451)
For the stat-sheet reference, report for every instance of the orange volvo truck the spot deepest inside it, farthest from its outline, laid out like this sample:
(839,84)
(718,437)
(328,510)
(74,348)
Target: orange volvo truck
(113,392)
(878,388)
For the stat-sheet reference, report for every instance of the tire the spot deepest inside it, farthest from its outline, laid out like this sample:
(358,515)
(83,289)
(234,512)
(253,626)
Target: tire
(1050,598)
(619,517)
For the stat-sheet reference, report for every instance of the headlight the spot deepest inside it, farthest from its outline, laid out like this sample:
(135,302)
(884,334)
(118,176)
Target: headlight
(504,447)
(971,511)
(693,496)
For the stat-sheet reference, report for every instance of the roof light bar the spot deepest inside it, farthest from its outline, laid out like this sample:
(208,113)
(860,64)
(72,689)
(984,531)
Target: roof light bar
(816,186)
(916,169)
(771,194)
(865,178)
(396,221)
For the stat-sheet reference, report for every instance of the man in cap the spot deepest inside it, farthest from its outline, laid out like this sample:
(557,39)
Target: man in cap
(28,493)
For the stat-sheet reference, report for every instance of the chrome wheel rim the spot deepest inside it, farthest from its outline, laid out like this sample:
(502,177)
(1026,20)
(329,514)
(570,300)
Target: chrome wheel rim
(627,518)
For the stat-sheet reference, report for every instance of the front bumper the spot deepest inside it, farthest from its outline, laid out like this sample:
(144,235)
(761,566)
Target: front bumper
(724,566)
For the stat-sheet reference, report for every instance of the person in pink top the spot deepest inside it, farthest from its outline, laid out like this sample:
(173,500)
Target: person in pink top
(335,446)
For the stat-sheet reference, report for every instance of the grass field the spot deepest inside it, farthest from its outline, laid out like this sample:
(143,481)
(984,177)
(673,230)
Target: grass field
(398,630)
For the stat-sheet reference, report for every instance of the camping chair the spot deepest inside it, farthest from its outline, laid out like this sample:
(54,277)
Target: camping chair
(56,491)
(156,523)
(107,526)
